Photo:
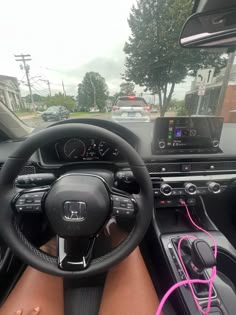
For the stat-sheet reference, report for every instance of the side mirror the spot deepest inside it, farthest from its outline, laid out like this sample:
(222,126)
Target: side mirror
(210,29)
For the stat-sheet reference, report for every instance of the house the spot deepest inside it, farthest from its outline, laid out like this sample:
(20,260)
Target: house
(10,93)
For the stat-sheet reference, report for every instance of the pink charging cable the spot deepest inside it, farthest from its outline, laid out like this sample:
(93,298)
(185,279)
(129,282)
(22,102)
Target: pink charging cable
(188,281)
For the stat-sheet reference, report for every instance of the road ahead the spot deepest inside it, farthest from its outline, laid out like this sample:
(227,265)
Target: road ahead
(144,131)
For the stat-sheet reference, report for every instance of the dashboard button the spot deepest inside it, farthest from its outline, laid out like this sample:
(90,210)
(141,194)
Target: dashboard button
(157,193)
(186,167)
(166,189)
(191,201)
(162,144)
(203,191)
(190,189)
(214,188)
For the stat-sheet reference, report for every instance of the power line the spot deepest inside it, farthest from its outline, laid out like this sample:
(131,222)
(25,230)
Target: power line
(24,58)
(59,84)
(49,87)
(40,89)
(40,92)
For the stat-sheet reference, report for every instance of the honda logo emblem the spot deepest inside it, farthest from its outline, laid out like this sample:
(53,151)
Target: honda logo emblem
(74,211)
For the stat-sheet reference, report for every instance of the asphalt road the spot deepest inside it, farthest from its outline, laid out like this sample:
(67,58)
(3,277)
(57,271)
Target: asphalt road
(144,131)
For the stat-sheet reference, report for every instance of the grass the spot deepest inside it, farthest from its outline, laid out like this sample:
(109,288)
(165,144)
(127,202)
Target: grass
(79,114)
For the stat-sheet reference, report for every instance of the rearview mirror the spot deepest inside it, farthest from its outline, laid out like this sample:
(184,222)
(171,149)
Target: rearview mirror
(210,29)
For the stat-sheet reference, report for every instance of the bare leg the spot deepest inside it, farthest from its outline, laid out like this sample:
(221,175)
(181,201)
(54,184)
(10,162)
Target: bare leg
(128,288)
(36,289)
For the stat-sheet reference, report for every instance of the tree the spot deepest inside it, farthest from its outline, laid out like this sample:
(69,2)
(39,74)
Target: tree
(36,98)
(60,99)
(127,88)
(92,92)
(154,58)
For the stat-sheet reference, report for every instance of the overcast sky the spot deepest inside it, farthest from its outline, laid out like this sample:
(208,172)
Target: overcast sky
(66,39)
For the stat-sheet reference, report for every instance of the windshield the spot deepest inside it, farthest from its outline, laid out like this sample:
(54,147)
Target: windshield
(86,55)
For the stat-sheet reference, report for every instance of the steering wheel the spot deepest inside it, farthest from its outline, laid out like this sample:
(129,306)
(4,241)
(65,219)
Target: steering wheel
(77,206)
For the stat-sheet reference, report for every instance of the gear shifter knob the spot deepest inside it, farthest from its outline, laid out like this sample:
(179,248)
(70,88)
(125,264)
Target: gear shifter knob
(202,255)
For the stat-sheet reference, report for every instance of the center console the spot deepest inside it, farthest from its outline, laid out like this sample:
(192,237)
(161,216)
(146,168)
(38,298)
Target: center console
(201,183)
(171,223)
(169,189)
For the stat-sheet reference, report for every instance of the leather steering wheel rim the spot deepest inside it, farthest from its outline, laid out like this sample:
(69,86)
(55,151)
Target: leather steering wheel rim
(32,256)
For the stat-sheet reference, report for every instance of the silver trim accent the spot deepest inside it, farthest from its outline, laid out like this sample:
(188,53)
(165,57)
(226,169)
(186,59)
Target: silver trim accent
(74,211)
(199,178)
(211,186)
(162,187)
(188,186)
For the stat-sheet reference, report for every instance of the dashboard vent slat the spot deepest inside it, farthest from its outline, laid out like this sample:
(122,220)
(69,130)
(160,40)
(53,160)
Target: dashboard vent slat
(163,168)
(196,167)
(27,169)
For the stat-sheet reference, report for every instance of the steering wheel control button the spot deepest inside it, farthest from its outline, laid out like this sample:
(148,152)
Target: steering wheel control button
(29,202)
(214,188)
(191,189)
(122,206)
(166,189)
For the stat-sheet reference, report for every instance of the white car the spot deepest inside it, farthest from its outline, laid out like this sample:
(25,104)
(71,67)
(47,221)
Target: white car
(131,108)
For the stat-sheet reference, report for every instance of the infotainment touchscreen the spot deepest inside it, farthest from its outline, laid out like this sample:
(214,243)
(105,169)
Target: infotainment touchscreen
(195,134)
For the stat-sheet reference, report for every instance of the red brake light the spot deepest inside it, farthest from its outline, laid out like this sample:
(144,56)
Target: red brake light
(148,108)
(131,97)
(114,108)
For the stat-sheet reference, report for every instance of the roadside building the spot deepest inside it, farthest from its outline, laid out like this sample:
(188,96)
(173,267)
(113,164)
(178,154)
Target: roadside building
(209,101)
(10,93)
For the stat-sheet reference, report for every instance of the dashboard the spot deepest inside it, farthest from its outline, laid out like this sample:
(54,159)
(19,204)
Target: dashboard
(85,149)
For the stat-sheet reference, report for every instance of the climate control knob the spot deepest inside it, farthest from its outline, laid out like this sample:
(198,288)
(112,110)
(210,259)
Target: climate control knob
(215,143)
(190,188)
(166,189)
(214,188)
(162,144)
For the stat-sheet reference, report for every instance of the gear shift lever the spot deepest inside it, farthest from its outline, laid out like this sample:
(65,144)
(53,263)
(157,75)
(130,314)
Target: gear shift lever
(197,257)
(202,255)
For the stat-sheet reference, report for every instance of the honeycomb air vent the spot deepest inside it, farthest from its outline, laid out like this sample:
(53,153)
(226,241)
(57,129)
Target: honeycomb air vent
(27,169)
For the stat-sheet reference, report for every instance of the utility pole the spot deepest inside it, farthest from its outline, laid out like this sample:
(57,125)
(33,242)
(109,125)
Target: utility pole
(49,87)
(225,82)
(63,87)
(24,58)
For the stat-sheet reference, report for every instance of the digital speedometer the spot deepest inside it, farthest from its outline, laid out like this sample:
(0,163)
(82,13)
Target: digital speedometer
(105,149)
(74,149)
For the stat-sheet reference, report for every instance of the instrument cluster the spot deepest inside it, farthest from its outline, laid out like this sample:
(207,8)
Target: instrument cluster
(83,149)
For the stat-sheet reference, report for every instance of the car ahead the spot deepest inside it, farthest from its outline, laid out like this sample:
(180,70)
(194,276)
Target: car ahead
(56,113)
(131,108)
